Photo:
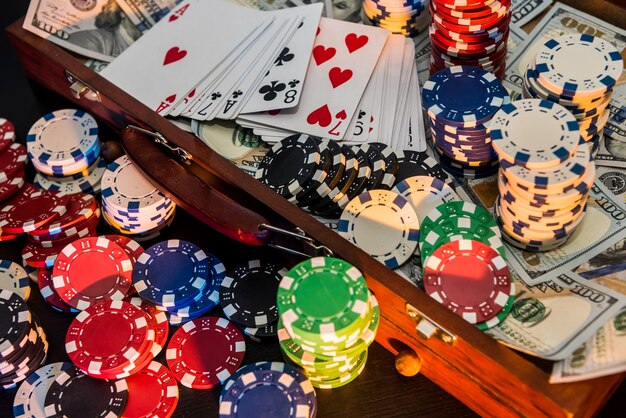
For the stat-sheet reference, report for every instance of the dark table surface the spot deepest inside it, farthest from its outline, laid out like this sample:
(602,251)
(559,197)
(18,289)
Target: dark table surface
(379,392)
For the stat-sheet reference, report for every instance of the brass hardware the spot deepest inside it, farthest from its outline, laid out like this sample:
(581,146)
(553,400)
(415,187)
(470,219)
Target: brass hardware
(80,89)
(427,328)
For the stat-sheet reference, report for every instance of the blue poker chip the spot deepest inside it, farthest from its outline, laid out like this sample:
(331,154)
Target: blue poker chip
(171,273)
(463,96)
(31,396)
(265,392)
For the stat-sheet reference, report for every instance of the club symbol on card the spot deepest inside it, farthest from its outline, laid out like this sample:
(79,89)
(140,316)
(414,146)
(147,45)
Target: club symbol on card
(236,94)
(320,116)
(216,96)
(294,83)
(174,54)
(321,54)
(354,42)
(338,76)
(285,56)
(270,91)
(361,114)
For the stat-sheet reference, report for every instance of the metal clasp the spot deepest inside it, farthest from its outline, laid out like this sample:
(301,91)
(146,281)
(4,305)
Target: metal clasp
(184,156)
(312,248)
(80,89)
(427,328)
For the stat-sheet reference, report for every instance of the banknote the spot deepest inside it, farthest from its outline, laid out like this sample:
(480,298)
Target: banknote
(614,179)
(97,29)
(561,20)
(348,10)
(601,355)
(523,11)
(552,319)
(145,13)
(96,65)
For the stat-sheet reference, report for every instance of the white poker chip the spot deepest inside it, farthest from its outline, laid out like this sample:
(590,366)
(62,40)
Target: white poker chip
(13,277)
(31,395)
(425,193)
(383,224)
(534,133)
(90,183)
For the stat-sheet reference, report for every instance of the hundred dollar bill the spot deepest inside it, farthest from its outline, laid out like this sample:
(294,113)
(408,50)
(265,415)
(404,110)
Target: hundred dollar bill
(603,226)
(348,10)
(602,355)
(96,65)
(523,11)
(552,319)
(97,29)
(561,20)
(145,13)
(614,179)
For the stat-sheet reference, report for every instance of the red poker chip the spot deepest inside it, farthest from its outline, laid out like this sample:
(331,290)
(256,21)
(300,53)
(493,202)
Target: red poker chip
(91,223)
(36,256)
(132,247)
(487,45)
(12,160)
(158,321)
(473,55)
(473,28)
(465,4)
(80,207)
(196,366)
(90,270)
(468,277)
(7,237)
(29,211)
(473,12)
(44,281)
(473,17)
(107,336)
(83,233)
(153,392)
(471,36)
(10,187)
(451,48)
(7,134)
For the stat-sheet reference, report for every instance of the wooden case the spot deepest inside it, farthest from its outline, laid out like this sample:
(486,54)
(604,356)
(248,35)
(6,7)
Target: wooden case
(488,377)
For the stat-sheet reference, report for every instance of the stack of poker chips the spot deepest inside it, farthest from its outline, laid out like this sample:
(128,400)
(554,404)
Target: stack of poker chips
(23,341)
(401,17)
(64,148)
(13,158)
(460,102)
(328,318)
(131,205)
(546,174)
(179,278)
(579,73)
(469,32)
(248,297)
(268,389)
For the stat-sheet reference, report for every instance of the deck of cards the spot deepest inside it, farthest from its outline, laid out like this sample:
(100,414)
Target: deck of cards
(278,73)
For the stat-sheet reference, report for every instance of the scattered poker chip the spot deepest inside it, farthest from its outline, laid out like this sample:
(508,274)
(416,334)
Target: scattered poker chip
(12,160)
(449,211)
(425,193)
(107,337)
(267,332)
(383,224)
(32,272)
(29,211)
(157,321)
(198,368)
(469,278)
(13,277)
(74,393)
(413,163)
(500,316)
(11,187)
(39,257)
(171,273)
(90,270)
(377,167)
(61,235)
(7,134)
(31,396)
(80,207)
(132,247)
(49,293)
(248,293)
(391,163)
(153,391)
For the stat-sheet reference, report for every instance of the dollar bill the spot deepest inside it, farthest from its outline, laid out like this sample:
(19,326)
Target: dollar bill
(96,65)
(145,13)
(602,355)
(614,179)
(552,319)
(523,11)
(348,10)
(561,20)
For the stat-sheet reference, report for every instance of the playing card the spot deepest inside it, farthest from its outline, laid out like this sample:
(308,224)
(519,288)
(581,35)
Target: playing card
(162,66)
(401,124)
(281,87)
(392,85)
(343,58)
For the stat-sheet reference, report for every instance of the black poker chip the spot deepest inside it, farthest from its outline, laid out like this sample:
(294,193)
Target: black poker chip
(337,162)
(317,186)
(15,323)
(248,293)
(391,165)
(74,394)
(268,332)
(414,163)
(377,166)
(359,185)
(290,164)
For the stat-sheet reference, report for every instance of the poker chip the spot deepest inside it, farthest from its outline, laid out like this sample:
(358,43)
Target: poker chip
(12,160)
(88,182)
(64,236)
(11,187)
(14,278)
(469,278)
(153,391)
(31,396)
(157,321)
(36,256)
(49,293)
(7,134)
(74,393)
(268,332)
(80,207)
(425,193)
(248,293)
(90,270)
(383,224)
(14,322)
(413,163)
(398,16)
(171,273)
(29,211)
(198,368)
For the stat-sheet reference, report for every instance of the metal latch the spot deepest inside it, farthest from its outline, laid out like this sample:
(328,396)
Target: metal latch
(427,328)
(183,155)
(80,89)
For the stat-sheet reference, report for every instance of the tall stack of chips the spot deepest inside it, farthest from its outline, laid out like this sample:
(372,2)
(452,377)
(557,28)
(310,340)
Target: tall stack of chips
(64,148)
(545,176)
(579,73)
(460,102)
(328,318)
(131,205)
(469,32)
(401,17)
(13,159)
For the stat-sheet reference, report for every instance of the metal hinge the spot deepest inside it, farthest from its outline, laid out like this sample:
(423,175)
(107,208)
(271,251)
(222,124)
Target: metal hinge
(80,89)
(427,328)
(183,155)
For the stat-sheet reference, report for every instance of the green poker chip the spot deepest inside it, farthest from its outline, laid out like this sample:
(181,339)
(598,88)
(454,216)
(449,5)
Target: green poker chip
(446,212)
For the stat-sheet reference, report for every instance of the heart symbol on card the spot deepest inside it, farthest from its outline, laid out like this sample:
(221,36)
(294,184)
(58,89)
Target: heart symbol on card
(354,42)
(320,116)
(321,54)
(173,18)
(174,54)
(341,115)
(338,76)
(170,99)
